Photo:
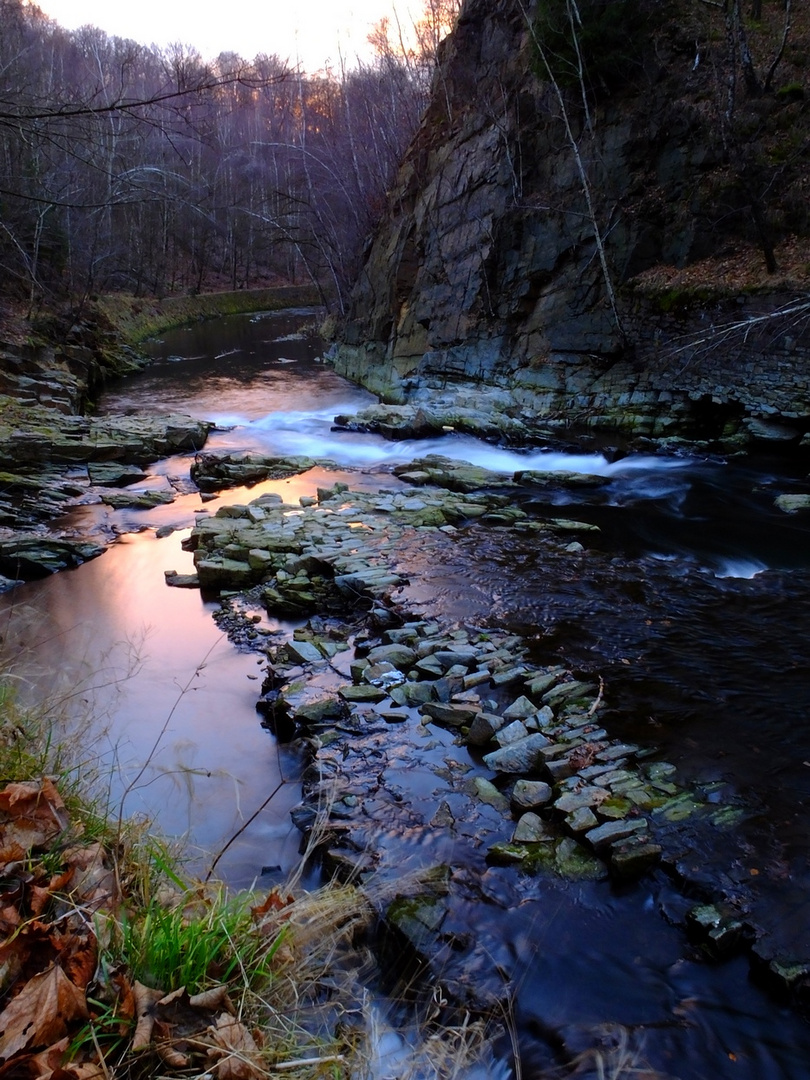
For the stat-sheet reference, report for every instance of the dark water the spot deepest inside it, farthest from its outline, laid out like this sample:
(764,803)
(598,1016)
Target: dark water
(693,601)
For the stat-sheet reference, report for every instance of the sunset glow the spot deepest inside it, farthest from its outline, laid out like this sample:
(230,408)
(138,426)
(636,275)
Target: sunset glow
(314,33)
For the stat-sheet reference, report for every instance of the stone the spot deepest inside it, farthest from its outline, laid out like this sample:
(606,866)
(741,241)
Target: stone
(483,728)
(181,581)
(400,656)
(508,675)
(530,829)
(510,854)
(586,796)
(391,716)
(520,709)
(563,693)
(443,818)
(429,667)
(304,652)
(520,757)
(413,693)
(634,857)
(363,693)
(613,831)
(137,500)
(539,684)
(476,678)
(511,733)
(449,715)
(113,474)
(449,658)
(31,557)
(616,752)
(581,820)
(221,573)
(792,504)
(312,704)
(419,919)
(357,667)
(214,472)
(372,672)
(574,861)
(486,792)
(529,794)
(541,720)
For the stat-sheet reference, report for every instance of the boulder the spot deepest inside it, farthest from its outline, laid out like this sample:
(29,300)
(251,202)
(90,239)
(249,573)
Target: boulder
(483,728)
(27,557)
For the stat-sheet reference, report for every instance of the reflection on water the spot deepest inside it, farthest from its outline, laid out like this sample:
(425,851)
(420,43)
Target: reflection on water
(112,641)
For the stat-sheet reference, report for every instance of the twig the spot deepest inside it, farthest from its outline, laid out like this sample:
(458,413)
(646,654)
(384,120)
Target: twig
(332,1059)
(159,738)
(243,826)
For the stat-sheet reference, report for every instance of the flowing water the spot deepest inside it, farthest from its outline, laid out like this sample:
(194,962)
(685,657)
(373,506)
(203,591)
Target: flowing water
(693,602)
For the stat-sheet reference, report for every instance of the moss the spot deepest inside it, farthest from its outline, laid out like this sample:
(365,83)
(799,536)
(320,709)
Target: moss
(138,318)
(682,299)
(792,91)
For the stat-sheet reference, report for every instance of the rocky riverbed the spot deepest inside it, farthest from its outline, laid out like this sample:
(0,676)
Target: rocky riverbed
(460,757)
(444,747)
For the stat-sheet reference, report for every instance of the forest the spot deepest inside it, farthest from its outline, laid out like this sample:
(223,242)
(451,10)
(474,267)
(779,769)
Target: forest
(131,168)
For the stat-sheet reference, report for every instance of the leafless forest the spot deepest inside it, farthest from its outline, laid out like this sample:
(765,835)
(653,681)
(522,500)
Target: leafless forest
(146,170)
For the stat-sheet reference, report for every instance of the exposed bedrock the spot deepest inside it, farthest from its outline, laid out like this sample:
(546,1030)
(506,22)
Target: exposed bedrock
(484,275)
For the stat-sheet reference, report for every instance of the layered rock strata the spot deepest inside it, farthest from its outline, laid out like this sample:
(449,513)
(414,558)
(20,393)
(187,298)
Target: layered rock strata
(483,286)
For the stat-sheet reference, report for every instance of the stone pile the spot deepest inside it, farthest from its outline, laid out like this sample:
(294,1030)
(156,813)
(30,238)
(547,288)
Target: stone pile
(581,801)
(546,761)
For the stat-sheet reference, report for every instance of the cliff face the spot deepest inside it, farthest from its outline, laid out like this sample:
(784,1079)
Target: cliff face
(485,273)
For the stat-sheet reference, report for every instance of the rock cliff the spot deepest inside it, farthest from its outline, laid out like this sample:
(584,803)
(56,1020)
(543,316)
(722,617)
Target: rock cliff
(484,280)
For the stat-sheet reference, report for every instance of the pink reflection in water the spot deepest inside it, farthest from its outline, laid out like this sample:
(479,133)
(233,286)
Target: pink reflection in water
(111,639)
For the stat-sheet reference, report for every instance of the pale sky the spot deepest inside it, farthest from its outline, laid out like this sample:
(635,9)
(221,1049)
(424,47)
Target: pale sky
(315,32)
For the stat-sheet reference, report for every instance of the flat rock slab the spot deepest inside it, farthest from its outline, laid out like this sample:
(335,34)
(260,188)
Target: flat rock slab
(363,693)
(28,557)
(450,715)
(304,652)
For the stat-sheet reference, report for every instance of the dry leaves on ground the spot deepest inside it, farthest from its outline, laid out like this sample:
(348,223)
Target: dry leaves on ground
(49,956)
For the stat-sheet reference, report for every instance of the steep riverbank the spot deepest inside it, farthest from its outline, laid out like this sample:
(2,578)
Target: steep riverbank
(629,256)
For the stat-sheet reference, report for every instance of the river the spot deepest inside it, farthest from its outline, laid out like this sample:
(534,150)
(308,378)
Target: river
(693,603)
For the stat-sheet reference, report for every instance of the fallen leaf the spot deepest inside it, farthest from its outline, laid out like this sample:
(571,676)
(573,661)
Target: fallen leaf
(238,1054)
(40,1014)
(34,814)
(38,899)
(168,1053)
(274,902)
(79,957)
(46,1062)
(215,998)
(125,1005)
(145,1001)
(93,883)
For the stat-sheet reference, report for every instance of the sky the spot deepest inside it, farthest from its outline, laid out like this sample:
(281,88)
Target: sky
(314,32)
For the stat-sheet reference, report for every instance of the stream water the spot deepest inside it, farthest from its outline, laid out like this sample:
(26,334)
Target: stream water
(693,603)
